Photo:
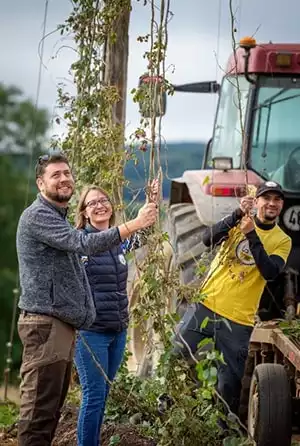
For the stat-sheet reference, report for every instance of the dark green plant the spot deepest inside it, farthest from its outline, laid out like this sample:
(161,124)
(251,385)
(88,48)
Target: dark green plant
(22,137)
(8,414)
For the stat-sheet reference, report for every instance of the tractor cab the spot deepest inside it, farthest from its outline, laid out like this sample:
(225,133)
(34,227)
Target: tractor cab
(256,137)
(257,128)
(257,122)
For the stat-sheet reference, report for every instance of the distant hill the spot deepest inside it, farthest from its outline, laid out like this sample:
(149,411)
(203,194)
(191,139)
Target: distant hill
(175,159)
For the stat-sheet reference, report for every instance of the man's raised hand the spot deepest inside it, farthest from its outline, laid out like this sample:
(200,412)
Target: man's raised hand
(247,204)
(247,224)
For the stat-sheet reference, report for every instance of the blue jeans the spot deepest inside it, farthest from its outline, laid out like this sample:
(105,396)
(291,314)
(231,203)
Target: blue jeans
(230,338)
(109,349)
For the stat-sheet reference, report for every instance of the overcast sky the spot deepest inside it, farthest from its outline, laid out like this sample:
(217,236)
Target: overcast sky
(193,49)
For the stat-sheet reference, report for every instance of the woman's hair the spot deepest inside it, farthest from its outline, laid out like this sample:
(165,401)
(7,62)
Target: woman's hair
(80,217)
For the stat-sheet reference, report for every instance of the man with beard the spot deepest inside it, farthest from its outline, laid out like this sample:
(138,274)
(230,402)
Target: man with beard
(55,295)
(254,250)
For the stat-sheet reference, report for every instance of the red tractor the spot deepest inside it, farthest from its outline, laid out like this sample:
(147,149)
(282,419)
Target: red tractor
(256,137)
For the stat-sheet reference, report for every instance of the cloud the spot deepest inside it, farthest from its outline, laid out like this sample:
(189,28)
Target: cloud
(193,44)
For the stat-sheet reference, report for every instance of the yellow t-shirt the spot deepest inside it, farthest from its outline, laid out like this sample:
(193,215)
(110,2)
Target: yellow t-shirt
(234,284)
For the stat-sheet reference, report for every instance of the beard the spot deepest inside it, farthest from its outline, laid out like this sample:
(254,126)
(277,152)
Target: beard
(270,218)
(59,197)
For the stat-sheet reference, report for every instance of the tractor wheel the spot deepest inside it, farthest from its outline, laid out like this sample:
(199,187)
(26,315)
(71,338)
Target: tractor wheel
(184,250)
(270,406)
(144,357)
(185,230)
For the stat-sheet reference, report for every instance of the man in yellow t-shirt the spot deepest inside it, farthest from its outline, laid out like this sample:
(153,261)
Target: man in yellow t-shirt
(253,251)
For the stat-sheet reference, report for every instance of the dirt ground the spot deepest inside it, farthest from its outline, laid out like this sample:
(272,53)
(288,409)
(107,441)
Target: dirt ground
(66,433)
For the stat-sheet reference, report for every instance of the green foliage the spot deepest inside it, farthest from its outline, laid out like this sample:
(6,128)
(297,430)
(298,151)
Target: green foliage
(95,145)
(114,440)
(12,201)
(22,126)
(22,129)
(8,414)
(207,370)
(74,395)
(95,140)
(291,329)
(130,394)
(191,418)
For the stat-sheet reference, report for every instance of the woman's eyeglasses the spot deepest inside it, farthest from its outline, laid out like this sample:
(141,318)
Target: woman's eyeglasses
(93,203)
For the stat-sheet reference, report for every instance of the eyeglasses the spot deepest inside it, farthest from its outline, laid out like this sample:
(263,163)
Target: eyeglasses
(43,158)
(47,158)
(93,203)
(41,161)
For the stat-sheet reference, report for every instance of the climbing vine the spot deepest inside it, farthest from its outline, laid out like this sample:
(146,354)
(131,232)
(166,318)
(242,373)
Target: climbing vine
(95,145)
(193,410)
(95,138)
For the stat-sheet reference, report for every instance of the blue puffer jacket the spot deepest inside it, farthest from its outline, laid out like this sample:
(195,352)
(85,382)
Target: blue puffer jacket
(107,273)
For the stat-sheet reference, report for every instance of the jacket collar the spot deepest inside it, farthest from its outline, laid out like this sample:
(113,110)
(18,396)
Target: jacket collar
(90,228)
(62,211)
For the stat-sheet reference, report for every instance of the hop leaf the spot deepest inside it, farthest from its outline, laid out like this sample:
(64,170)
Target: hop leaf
(206,180)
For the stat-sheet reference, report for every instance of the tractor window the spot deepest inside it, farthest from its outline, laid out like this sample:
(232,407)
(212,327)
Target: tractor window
(275,152)
(227,138)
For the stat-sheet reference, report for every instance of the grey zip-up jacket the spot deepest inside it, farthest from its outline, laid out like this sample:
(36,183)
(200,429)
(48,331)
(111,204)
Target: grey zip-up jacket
(52,278)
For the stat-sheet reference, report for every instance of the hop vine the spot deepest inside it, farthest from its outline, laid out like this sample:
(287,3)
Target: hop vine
(95,138)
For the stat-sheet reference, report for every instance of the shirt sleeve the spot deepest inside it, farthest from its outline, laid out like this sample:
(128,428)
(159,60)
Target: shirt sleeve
(270,266)
(283,249)
(136,240)
(53,230)
(220,231)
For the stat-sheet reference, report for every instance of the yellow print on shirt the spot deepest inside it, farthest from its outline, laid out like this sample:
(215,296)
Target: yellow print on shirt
(243,253)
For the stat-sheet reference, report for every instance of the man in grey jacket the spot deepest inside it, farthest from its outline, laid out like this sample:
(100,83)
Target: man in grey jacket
(55,295)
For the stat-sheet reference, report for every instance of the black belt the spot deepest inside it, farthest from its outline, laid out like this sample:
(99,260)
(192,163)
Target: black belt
(26,313)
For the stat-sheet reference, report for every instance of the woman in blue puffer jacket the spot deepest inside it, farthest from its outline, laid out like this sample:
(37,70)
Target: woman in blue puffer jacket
(106,338)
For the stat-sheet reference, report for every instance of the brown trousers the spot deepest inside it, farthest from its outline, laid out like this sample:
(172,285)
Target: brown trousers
(48,348)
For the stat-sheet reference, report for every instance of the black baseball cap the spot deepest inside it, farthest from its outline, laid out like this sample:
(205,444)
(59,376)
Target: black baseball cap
(269,186)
